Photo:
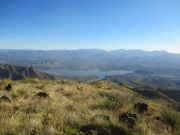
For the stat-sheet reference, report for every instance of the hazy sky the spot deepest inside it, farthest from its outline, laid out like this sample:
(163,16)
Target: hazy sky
(101,24)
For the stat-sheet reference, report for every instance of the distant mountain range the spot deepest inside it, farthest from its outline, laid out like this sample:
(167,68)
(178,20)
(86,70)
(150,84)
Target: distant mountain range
(19,72)
(157,69)
(154,61)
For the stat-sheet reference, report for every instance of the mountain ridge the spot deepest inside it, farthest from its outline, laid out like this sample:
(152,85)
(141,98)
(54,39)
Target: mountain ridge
(18,73)
(101,59)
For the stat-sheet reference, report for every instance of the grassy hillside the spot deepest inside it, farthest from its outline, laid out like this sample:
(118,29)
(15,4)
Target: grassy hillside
(167,85)
(13,72)
(72,108)
(154,81)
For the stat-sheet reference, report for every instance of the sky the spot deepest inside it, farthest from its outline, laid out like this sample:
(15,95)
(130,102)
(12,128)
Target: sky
(90,24)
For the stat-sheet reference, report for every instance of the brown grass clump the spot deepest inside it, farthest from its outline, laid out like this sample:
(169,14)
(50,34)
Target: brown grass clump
(170,117)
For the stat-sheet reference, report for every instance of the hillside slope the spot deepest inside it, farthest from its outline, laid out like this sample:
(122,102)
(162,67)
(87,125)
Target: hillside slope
(149,86)
(18,72)
(69,108)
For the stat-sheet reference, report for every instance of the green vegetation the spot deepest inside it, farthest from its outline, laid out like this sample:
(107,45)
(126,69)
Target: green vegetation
(73,108)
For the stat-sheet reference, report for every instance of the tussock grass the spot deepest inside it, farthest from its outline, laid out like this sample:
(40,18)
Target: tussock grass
(4,83)
(72,105)
(170,117)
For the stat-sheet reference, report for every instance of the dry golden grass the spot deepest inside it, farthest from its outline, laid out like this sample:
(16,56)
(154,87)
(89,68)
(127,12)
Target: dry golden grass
(71,105)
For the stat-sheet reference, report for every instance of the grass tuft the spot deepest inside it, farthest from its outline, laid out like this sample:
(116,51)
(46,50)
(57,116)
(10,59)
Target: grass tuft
(170,117)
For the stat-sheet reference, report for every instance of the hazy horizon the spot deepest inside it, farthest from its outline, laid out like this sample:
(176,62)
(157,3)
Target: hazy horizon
(89,49)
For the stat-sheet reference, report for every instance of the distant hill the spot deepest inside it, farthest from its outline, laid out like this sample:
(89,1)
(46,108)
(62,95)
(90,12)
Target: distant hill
(153,80)
(148,92)
(151,86)
(18,72)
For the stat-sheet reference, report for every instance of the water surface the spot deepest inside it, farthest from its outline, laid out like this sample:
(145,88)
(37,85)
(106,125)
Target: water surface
(84,73)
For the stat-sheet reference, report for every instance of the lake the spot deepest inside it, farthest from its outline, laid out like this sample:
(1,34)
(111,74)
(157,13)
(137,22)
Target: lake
(84,73)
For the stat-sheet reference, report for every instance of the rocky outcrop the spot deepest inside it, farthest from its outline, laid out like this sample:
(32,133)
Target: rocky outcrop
(129,118)
(8,87)
(92,127)
(42,94)
(4,99)
(141,107)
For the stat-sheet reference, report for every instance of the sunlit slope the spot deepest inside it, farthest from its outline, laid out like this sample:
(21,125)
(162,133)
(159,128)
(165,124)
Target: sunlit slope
(35,106)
